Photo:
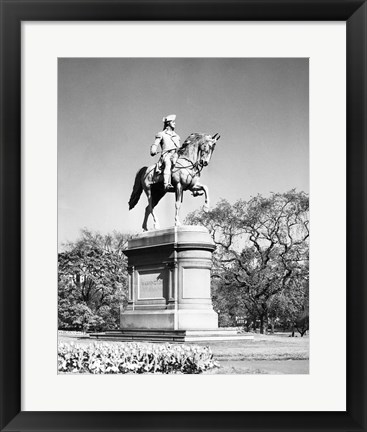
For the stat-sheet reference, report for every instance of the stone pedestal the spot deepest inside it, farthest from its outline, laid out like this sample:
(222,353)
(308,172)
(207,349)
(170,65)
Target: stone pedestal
(169,281)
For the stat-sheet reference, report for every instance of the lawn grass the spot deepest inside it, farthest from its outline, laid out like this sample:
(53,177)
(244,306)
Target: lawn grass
(263,347)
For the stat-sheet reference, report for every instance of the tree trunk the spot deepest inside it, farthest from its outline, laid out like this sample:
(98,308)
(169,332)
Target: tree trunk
(262,325)
(272,323)
(254,325)
(266,323)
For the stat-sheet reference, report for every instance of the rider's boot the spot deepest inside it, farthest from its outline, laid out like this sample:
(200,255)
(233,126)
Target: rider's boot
(166,182)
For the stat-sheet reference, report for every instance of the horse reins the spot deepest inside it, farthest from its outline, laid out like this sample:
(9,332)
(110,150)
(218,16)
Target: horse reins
(191,165)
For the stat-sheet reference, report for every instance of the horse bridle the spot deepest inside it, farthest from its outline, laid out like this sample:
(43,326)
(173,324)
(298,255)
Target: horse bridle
(199,167)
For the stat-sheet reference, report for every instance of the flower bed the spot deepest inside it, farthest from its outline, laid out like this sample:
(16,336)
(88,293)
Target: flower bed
(104,358)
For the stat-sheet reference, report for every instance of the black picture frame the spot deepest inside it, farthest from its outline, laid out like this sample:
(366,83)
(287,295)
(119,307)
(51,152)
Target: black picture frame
(13,12)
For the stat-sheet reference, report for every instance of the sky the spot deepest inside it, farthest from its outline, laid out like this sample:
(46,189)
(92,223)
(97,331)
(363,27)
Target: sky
(109,111)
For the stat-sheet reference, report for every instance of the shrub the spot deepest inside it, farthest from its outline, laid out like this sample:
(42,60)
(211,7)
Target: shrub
(129,357)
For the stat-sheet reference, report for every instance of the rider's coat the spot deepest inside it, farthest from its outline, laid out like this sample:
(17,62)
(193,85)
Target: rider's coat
(168,140)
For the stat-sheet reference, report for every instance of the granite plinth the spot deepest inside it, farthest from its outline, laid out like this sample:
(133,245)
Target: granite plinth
(181,235)
(169,280)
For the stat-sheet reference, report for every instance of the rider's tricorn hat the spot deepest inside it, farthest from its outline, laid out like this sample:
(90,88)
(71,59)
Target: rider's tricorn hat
(171,117)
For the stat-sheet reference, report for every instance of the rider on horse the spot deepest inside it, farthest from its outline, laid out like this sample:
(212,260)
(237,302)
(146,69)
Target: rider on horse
(170,143)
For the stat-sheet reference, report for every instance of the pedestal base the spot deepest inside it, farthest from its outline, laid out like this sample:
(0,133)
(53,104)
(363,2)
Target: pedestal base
(169,281)
(170,319)
(172,336)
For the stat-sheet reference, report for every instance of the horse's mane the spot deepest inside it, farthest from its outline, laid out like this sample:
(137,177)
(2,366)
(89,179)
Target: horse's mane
(190,145)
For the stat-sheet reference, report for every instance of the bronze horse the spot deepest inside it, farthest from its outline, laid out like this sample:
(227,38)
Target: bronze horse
(193,156)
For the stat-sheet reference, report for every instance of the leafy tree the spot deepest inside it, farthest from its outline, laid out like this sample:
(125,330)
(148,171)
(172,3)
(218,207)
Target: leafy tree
(92,280)
(291,311)
(262,254)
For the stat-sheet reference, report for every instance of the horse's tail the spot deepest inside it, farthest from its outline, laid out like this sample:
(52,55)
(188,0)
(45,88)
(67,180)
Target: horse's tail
(137,189)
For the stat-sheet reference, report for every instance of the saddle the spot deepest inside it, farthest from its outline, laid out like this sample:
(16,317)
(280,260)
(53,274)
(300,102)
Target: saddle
(158,169)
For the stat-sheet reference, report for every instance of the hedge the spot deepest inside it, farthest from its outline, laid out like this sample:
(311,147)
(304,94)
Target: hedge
(104,358)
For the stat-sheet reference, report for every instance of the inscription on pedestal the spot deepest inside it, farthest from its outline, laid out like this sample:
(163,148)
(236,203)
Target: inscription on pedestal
(151,285)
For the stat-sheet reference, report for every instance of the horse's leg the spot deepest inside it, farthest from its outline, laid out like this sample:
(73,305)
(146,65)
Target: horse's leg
(146,215)
(147,209)
(200,187)
(155,219)
(206,193)
(179,196)
(150,209)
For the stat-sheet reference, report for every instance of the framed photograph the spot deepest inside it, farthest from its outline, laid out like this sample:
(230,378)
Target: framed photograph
(89,92)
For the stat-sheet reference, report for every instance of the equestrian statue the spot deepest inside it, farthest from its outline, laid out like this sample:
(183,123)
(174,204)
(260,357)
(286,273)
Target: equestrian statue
(178,169)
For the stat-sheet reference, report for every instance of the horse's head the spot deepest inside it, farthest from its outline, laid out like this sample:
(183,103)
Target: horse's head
(198,148)
(206,148)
